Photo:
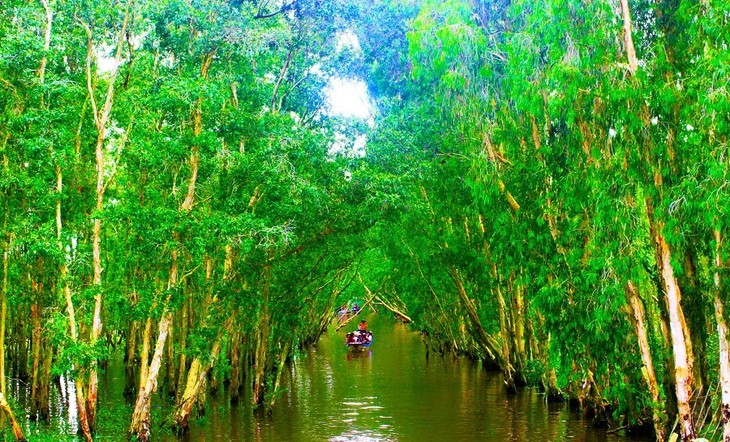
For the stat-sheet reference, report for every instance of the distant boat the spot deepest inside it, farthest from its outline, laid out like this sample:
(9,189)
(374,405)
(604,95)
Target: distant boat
(359,340)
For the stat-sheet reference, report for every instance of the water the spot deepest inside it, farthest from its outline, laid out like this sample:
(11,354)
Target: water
(391,392)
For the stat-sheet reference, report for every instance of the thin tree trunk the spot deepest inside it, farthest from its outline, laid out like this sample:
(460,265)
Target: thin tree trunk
(280,370)
(140,427)
(678,330)
(262,339)
(82,416)
(4,313)
(145,353)
(722,332)
(628,39)
(44,384)
(183,362)
(36,337)
(130,359)
(235,389)
(486,342)
(506,340)
(196,380)
(637,310)
(518,329)
(101,118)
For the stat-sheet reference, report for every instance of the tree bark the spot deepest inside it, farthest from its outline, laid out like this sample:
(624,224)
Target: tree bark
(262,341)
(101,118)
(678,331)
(82,416)
(637,315)
(506,339)
(628,39)
(235,388)
(145,353)
(724,344)
(196,380)
(486,342)
(17,431)
(140,427)
(4,312)
(130,359)
(36,337)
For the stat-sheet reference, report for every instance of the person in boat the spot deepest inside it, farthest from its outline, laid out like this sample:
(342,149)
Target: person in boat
(355,308)
(362,326)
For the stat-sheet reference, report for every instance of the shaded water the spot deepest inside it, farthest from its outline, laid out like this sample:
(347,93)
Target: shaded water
(391,392)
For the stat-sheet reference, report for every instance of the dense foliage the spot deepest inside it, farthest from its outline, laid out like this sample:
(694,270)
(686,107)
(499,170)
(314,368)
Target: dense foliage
(544,188)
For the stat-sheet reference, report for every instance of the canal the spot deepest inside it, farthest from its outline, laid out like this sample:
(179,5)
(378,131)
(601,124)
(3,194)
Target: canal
(392,392)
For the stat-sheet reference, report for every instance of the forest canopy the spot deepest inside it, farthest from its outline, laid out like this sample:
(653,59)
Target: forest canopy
(541,185)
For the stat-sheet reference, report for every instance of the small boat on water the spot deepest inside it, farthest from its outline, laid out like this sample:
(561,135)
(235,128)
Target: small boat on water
(359,340)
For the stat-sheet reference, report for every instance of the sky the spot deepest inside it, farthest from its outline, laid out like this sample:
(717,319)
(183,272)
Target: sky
(348,98)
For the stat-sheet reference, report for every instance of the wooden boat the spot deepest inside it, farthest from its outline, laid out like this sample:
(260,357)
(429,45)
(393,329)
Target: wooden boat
(359,340)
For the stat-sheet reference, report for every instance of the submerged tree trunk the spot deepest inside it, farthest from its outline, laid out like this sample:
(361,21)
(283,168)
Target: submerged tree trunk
(140,427)
(130,359)
(196,380)
(235,386)
(506,340)
(262,342)
(101,118)
(82,416)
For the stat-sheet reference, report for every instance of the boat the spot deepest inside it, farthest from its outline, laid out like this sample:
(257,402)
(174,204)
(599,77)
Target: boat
(359,340)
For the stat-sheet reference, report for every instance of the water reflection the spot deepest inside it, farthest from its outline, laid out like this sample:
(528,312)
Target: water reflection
(391,392)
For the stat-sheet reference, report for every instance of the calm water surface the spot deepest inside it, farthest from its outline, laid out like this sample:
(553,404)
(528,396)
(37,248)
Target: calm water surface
(390,393)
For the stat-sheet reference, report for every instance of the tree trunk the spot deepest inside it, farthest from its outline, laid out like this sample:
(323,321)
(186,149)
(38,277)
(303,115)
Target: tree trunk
(82,416)
(130,359)
(485,341)
(101,118)
(140,427)
(4,313)
(195,385)
(637,316)
(17,432)
(145,353)
(235,389)
(36,338)
(518,330)
(506,340)
(280,370)
(44,404)
(183,362)
(678,330)
(262,340)
(628,39)
(722,332)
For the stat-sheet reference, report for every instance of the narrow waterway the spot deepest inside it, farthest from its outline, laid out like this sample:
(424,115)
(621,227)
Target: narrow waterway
(392,392)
